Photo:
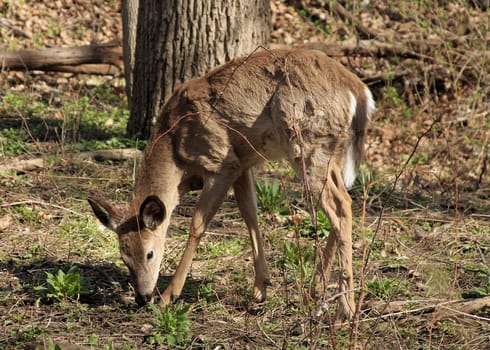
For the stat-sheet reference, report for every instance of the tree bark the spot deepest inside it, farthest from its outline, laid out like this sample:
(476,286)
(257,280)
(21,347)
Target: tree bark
(178,42)
(129,23)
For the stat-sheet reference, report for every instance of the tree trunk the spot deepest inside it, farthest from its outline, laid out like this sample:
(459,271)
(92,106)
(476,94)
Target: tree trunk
(178,42)
(129,24)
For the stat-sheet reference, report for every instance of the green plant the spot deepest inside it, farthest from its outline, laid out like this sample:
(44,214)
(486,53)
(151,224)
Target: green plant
(385,288)
(271,197)
(171,326)
(299,260)
(95,343)
(390,94)
(62,286)
(477,292)
(28,333)
(51,345)
(307,229)
(215,249)
(206,292)
(13,142)
(27,214)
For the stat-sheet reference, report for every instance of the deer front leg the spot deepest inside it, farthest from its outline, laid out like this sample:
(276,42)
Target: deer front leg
(244,189)
(212,195)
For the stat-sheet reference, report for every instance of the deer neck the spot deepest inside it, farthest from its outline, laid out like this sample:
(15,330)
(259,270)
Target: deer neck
(158,175)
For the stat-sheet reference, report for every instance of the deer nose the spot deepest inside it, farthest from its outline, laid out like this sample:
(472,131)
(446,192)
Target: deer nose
(142,300)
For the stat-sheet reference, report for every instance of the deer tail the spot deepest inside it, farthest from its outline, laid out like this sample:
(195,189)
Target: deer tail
(362,107)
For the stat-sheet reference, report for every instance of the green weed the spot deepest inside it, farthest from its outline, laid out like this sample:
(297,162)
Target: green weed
(386,288)
(13,142)
(113,120)
(64,286)
(85,232)
(27,214)
(391,96)
(299,261)
(271,197)
(477,292)
(51,345)
(215,249)
(171,326)
(307,229)
(29,333)
(206,292)
(95,343)
(15,103)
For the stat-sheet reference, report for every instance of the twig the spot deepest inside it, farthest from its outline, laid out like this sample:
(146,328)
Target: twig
(267,336)
(483,169)
(6,23)
(342,12)
(385,203)
(108,154)
(14,204)
(428,308)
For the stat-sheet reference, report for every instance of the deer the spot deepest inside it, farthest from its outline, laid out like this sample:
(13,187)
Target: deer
(298,105)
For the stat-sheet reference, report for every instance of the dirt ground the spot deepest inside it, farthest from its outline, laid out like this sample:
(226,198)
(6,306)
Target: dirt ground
(421,202)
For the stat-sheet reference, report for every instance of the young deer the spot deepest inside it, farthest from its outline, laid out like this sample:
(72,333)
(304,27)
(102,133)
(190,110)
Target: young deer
(298,104)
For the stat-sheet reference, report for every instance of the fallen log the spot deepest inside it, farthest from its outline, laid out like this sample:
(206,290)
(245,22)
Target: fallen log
(61,58)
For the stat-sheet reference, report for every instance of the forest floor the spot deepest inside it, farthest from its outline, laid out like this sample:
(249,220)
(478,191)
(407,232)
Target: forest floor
(421,203)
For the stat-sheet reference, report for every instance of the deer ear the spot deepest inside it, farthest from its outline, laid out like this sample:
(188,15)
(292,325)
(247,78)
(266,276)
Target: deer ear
(104,212)
(152,212)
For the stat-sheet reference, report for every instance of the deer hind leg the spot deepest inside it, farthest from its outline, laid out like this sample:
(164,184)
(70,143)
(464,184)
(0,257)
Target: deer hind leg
(212,195)
(336,203)
(247,203)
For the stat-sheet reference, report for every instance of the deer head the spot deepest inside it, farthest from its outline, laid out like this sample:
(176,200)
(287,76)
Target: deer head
(141,240)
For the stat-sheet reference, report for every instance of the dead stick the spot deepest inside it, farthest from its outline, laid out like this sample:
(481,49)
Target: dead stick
(101,155)
(364,32)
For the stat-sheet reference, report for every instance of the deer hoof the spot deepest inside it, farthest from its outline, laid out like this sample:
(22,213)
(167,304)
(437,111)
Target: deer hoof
(259,294)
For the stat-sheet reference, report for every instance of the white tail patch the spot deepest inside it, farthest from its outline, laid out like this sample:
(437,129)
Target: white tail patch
(371,106)
(349,170)
(351,160)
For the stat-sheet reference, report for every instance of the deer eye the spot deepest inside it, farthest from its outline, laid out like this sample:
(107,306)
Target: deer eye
(149,255)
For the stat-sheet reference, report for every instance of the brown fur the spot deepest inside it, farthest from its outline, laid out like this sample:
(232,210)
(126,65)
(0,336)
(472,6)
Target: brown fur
(273,104)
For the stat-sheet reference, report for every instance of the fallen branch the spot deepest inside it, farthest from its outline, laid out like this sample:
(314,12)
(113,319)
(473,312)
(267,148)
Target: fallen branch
(108,154)
(465,308)
(440,310)
(16,31)
(59,57)
(96,69)
(36,202)
(345,15)
(341,11)
(102,155)
(371,48)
